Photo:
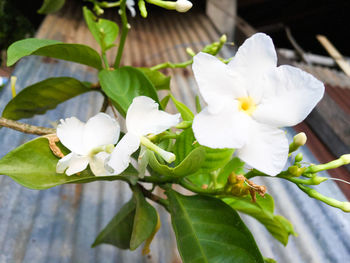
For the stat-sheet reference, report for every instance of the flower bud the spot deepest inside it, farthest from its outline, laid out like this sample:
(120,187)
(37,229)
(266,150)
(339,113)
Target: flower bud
(345,158)
(298,157)
(183,6)
(300,139)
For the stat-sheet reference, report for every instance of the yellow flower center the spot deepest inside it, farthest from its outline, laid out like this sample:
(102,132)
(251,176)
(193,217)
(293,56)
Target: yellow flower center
(247,105)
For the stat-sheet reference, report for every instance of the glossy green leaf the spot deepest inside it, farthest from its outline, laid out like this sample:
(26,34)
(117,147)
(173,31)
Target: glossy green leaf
(263,211)
(189,165)
(185,112)
(132,225)
(164,101)
(51,48)
(158,79)
(145,219)
(119,230)
(207,230)
(122,85)
(234,165)
(33,165)
(51,6)
(214,159)
(104,31)
(183,145)
(43,96)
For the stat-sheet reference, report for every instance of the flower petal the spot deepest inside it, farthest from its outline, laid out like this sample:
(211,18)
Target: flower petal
(130,5)
(70,132)
(120,157)
(226,129)
(97,164)
(143,117)
(77,163)
(100,130)
(63,163)
(266,150)
(254,58)
(216,81)
(289,96)
(256,54)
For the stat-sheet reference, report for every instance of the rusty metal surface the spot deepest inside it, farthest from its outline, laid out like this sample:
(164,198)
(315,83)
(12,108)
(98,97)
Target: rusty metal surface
(60,224)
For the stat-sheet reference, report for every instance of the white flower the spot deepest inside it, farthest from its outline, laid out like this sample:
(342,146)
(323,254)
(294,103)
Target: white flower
(183,6)
(89,143)
(249,99)
(130,5)
(142,118)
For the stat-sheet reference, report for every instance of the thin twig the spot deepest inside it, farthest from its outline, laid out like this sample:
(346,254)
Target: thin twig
(25,128)
(153,197)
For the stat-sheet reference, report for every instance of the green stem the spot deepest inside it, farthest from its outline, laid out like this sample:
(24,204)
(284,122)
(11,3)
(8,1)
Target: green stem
(345,206)
(104,57)
(315,180)
(164,4)
(125,30)
(172,65)
(343,160)
(108,4)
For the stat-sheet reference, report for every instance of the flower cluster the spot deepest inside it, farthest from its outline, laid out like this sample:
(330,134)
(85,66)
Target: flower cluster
(248,99)
(93,143)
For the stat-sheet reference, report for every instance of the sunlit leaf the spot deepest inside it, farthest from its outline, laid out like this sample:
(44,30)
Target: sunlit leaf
(158,79)
(51,48)
(104,31)
(185,112)
(122,85)
(33,165)
(263,211)
(189,165)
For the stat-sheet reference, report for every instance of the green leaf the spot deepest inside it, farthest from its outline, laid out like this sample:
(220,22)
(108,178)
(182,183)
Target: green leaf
(119,230)
(185,112)
(158,79)
(189,165)
(122,85)
(33,165)
(145,220)
(214,160)
(51,48)
(104,31)
(235,165)
(164,101)
(43,96)
(51,6)
(263,211)
(183,145)
(208,230)
(132,225)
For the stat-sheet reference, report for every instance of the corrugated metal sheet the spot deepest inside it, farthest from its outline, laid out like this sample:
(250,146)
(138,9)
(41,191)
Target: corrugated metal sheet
(60,224)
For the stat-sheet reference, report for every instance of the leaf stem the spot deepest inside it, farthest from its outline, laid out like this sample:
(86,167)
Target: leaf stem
(105,60)
(25,128)
(125,30)
(172,65)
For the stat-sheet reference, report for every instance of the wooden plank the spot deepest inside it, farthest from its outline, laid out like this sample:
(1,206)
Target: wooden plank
(334,53)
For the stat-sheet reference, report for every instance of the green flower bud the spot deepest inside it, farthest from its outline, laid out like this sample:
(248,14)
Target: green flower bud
(298,157)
